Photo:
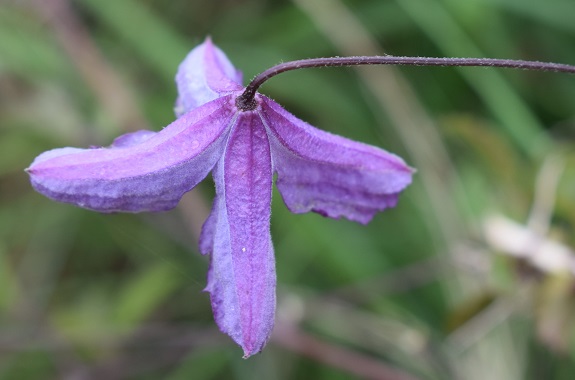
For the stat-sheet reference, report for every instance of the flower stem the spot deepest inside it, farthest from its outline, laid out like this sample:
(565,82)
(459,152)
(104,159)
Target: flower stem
(246,100)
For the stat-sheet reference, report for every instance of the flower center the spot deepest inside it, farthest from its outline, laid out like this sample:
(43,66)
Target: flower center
(246,103)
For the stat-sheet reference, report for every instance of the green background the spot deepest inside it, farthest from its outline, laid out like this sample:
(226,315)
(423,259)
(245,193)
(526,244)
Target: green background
(469,277)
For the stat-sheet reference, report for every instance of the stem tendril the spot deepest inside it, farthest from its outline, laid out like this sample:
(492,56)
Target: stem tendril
(246,100)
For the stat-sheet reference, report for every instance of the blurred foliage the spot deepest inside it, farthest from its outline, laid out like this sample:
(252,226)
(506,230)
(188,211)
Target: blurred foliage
(470,277)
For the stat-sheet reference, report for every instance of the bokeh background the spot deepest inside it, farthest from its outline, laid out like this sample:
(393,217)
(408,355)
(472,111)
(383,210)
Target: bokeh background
(470,277)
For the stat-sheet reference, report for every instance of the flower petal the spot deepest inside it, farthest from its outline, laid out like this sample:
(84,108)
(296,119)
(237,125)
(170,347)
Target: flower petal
(209,230)
(204,75)
(328,174)
(141,171)
(242,276)
(132,138)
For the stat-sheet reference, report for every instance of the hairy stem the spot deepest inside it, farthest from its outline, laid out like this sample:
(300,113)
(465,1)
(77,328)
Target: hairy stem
(246,100)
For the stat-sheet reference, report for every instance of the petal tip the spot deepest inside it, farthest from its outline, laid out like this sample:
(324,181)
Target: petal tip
(208,41)
(204,75)
(249,353)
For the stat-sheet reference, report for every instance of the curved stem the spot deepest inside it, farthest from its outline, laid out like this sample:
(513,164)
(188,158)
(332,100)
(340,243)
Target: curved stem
(246,100)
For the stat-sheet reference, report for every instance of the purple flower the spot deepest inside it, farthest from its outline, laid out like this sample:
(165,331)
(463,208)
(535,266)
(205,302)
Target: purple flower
(148,171)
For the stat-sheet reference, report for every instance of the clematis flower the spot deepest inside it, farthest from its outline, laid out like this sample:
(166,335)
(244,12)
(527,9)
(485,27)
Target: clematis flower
(243,148)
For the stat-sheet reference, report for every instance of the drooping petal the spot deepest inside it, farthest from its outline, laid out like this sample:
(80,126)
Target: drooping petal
(328,174)
(242,277)
(141,171)
(204,75)
(206,243)
(132,138)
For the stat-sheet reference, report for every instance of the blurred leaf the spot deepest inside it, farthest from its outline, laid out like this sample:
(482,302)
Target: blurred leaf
(144,292)
(25,48)
(31,365)
(152,38)
(86,321)
(469,310)
(555,13)
(9,292)
(500,98)
(555,309)
(199,366)
(18,149)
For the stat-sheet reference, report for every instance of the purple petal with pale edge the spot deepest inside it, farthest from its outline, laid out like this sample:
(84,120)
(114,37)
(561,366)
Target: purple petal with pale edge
(204,75)
(131,139)
(242,276)
(208,230)
(328,174)
(148,176)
